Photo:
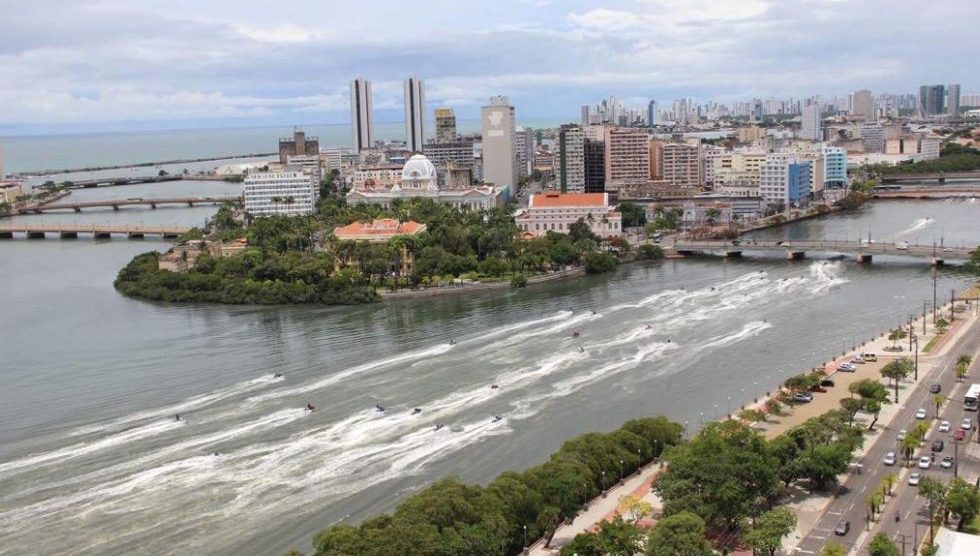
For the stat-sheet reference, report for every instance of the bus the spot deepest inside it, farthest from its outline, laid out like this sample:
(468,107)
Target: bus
(972,399)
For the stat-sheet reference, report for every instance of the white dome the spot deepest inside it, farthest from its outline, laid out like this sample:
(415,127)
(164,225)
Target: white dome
(418,168)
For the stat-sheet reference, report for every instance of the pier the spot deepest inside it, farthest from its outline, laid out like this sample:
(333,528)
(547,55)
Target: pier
(96,231)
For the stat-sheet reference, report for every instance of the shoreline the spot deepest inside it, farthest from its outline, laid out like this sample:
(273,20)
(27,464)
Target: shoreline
(387,295)
(49,172)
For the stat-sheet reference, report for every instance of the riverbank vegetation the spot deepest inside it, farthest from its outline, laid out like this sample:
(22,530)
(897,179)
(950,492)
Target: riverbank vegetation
(727,479)
(953,158)
(298,260)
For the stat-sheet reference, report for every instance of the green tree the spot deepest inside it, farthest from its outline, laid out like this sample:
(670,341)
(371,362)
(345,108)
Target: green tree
(880,545)
(851,406)
(649,252)
(896,371)
(633,215)
(895,335)
(614,538)
(681,534)
(833,549)
(766,535)
(963,500)
(941,326)
(598,263)
(938,400)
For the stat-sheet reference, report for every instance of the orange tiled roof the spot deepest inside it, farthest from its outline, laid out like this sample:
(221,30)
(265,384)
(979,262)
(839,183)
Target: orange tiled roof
(568,200)
(378,230)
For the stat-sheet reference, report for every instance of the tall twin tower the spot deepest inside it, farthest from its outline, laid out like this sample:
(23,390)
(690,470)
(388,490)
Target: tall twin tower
(362,120)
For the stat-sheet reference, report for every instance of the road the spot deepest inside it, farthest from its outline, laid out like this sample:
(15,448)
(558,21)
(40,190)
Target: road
(913,514)
(849,504)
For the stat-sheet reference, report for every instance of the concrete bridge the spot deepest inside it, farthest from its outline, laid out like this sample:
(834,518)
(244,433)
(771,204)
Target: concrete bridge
(116,203)
(940,177)
(948,192)
(794,249)
(96,231)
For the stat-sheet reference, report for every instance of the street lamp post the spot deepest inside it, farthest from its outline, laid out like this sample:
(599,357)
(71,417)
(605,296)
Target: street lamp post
(525,539)
(620,471)
(916,358)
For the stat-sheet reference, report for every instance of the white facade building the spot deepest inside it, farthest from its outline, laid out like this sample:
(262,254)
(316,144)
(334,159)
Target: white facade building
(289,191)
(785,179)
(555,212)
(499,156)
(419,179)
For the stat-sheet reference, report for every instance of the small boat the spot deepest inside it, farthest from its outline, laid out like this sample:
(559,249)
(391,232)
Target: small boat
(496,418)
(416,411)
(439,426)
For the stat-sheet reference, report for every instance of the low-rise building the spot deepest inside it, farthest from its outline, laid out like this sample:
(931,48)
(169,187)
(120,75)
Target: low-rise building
(183,257)
(9,191)
(376,177)
(298,145)
(785,180)
(557,211)
(380,231)
(291,191)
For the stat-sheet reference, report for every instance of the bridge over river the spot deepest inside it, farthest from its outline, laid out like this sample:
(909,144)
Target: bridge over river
(96,231)
(861,250)
(116,203)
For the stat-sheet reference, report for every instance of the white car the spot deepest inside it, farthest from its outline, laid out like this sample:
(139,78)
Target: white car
(903,245)
(920,414)
(947,462)
(944,426)
(901,434)
(914,479)
(857,359)
(925,462)
(889,458)
(967,424)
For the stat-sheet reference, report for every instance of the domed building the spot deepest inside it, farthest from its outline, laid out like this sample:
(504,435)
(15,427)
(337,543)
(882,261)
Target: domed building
(419,174)
(419,179)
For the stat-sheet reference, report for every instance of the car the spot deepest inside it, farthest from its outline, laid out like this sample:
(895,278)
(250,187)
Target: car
(817,388)
(889,458)
(914,478)
(937,445)
(857,360)
(935,388)
(960,434)
(944,426)
(870,356)
(966,424)
(947,462)
(842,528)
(827,383)
(802,397)
(947,249)
(902,245)
(925,462)
(901,434)
(920,414)
(847,368)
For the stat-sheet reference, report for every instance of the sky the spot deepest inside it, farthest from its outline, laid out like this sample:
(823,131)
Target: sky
(76,65)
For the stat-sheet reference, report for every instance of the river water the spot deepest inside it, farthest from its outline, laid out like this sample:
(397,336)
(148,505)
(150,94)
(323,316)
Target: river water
(92,460)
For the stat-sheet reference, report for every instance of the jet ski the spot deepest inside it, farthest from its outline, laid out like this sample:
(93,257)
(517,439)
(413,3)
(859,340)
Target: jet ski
(439,426)
(379,408)
(496,418)
(310,407)
(416,411)
(277,375)
(581,349)
(649,327)
(177,417)
(494,387)
(575,334)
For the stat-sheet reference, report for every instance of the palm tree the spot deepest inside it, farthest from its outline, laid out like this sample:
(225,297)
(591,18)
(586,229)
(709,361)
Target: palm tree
(908,445)
(941,326)
(938,400)
(895,335)
(289,200)
(276,200)
(889,481)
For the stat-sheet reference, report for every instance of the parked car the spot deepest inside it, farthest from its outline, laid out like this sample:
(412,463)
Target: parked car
(960,434)
(889,459)
(966,424)
(944,426)
(869,356)
(902,245)
(858,360)
(817,388)
(920,414)
(827,383)
(847,367)
(914,478)
(935,388)
(937,445)
(842,528)
(947,462)
(947,249)
(802,397)
(925,462)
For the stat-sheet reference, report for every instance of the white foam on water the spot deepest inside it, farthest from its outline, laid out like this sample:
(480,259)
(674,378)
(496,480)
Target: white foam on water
(919,224)
(360,369)
(83,448)
(750,329)
(196,402)
(826,275)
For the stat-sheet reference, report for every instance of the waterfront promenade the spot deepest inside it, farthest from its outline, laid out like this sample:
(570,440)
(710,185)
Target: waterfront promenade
(810,508)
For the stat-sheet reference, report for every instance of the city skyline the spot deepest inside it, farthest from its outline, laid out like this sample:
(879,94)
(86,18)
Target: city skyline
(199,66)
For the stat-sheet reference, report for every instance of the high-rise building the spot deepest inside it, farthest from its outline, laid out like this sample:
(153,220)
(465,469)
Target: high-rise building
(864,106)
(297,145)
(523,151)
(627,157)
(497,120)
(570,163)
(457,153)
(680,164)
(445,125)
(952,100)
(931,99)
(785,180)
(652,113)
(834,167)
(290,191)
(811,129)
(362,119)
(414,114)
(873,137)
(585,114)
(595,166)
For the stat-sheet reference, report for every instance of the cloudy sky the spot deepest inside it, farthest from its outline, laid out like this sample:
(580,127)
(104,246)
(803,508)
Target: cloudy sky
(144,64)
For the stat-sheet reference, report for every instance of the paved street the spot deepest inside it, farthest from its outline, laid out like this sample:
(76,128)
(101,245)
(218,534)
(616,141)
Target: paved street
(849,505)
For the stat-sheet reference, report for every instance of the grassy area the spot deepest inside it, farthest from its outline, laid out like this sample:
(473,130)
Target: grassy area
(931,344)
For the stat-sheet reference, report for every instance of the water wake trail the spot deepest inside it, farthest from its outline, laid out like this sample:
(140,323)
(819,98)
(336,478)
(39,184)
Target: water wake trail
(917,225)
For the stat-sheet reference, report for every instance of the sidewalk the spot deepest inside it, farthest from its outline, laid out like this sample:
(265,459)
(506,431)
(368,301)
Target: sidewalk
(602,509)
